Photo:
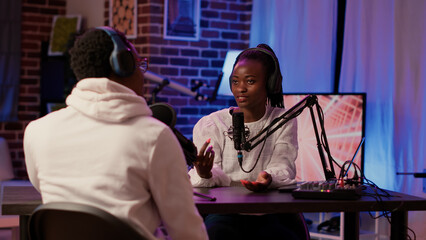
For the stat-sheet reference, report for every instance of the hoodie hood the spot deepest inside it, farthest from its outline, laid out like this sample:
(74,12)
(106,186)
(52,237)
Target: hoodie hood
(106,100)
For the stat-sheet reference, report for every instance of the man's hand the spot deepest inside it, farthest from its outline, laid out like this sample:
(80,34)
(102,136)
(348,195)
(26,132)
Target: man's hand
(262,182)
(204,162)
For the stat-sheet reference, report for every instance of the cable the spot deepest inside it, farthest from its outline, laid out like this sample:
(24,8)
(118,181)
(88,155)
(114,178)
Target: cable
(258,156)
(324,141)
(379,194)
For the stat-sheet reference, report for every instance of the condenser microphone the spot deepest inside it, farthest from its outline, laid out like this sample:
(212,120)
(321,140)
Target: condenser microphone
(238,133)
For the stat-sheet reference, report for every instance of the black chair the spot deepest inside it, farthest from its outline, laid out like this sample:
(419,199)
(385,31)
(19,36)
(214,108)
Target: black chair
(301,227)
(71,221)
(297,223)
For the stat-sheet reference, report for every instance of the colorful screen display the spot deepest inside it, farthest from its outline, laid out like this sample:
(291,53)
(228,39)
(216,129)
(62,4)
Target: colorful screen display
(344,116)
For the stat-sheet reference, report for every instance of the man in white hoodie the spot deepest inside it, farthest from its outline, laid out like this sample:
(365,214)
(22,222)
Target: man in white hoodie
(105,149)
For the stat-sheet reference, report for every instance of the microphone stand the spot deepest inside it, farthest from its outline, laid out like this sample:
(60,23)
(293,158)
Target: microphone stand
(157,89)
(309,101)
(415,174)
(163,82)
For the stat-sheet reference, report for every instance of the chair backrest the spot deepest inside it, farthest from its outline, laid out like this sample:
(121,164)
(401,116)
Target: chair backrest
(66,221)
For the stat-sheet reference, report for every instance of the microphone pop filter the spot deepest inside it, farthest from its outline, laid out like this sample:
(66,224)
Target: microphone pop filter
(164,112)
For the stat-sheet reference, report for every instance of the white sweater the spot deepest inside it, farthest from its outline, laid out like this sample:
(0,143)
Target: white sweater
(277,157)
(105,149)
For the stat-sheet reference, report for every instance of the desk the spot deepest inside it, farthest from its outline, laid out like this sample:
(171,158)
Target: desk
(22,200)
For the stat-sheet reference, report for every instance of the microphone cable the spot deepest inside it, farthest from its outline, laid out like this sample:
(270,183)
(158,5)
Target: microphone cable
(258,156)
(378,194)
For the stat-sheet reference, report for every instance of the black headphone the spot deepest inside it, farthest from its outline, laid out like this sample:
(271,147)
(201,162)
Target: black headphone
(121,59)
(274,81)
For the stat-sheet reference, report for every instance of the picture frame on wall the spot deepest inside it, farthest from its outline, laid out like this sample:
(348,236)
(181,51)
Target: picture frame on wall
(123,16)
(181,20)
(63,30)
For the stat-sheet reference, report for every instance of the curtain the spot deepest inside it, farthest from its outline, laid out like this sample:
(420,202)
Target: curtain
(384,55)
(301,32)
(368,65)
(10,58)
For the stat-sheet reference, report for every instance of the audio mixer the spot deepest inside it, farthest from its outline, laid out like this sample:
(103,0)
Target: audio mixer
(328,190)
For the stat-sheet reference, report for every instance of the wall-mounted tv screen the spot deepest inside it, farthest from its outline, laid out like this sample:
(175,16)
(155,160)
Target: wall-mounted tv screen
(344,123)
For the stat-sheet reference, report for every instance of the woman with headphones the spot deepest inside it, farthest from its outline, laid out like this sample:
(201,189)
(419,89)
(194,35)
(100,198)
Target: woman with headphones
(256,83)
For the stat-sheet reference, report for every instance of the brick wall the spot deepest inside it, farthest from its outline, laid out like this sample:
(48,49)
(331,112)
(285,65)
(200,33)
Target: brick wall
(225,25)
(37,16)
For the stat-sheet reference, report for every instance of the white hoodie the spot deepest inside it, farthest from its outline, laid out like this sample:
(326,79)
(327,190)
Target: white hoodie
(105,149)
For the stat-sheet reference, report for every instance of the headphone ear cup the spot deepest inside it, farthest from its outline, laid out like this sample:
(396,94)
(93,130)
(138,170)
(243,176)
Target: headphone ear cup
(122,63)
(121,59)
(271,83)
(274,80)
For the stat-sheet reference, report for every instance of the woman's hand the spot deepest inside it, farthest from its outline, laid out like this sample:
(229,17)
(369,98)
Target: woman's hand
(204,162)
(262,182)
